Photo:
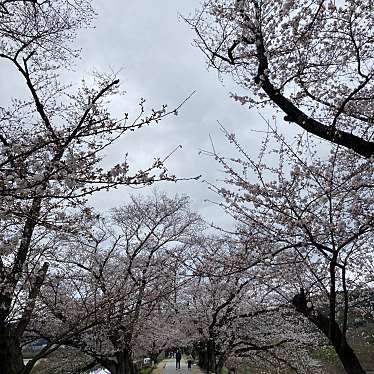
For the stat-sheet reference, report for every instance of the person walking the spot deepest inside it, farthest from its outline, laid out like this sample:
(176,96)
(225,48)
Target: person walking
(178,357)
(189,364)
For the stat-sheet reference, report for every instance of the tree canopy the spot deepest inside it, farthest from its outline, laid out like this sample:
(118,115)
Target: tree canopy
(312,60)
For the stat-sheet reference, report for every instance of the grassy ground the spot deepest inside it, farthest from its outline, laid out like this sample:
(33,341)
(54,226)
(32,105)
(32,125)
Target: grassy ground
(158,369)
(148,370)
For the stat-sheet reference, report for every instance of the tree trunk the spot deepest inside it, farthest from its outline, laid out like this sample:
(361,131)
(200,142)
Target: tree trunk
(11,360)
(211,353)
(200,350)
(332,331)
(125,364)
(220,364)
(207,355)
(345,353)
(349,359)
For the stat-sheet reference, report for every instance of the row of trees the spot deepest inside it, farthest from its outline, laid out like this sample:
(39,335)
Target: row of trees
(149,276)
(107,299)
(148,279)
(314,62)
(311,223)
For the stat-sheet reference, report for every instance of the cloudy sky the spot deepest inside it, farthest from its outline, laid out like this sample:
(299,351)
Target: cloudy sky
(152,48)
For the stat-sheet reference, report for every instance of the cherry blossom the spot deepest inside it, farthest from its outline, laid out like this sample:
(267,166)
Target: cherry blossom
(312,60)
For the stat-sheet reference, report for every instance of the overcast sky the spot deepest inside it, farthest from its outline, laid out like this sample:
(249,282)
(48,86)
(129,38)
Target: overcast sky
(153,47)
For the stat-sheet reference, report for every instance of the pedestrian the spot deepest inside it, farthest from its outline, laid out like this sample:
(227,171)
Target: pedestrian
(189,364)
(178,357)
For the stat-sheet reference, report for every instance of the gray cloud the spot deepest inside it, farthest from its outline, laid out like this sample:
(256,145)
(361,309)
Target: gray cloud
(154,47)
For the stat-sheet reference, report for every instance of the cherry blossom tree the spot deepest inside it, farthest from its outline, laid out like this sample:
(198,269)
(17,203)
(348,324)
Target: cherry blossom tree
(112,292)
(234,318)
(312,221)
(167,329)
(312,60)
(52,141)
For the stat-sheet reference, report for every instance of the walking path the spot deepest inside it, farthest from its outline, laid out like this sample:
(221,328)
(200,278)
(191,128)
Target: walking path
(168,367)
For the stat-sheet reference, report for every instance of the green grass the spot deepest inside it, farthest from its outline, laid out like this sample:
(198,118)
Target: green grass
(147,370)
(326,354)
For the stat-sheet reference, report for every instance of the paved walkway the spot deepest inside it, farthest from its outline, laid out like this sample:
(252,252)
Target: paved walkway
(168,367)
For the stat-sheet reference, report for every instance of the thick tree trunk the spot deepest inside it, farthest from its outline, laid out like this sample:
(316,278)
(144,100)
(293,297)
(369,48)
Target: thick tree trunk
(349,359)
(333,332)
(11,360)
(201,355)
(124,363)
(211,352)
(345,353)
(207,356)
